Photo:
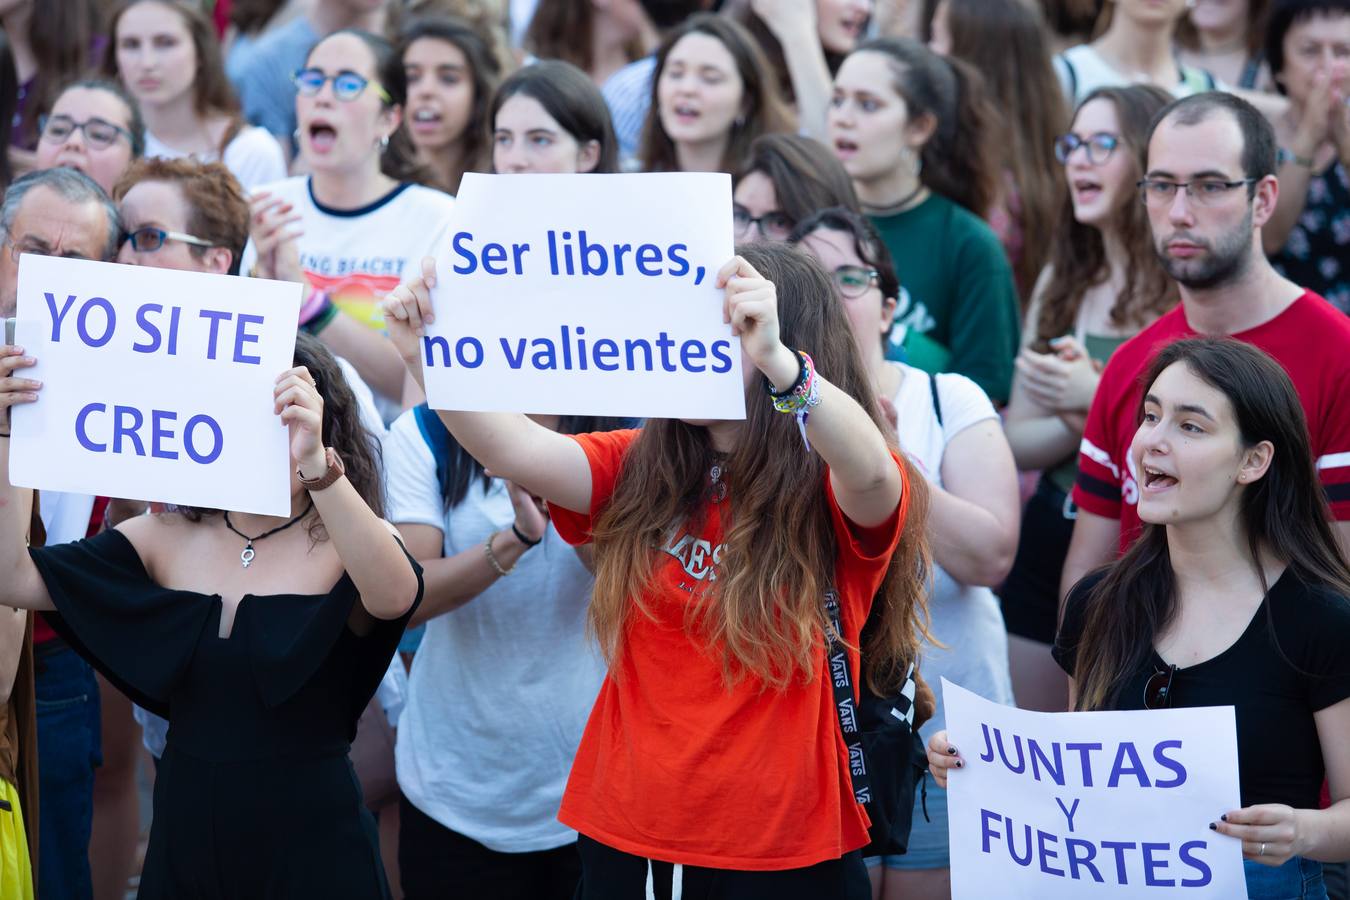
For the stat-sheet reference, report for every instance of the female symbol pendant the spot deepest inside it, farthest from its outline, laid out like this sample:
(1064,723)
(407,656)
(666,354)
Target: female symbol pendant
(246,557)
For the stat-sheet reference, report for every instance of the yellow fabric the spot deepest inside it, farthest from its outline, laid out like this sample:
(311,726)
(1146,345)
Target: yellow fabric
(16,873)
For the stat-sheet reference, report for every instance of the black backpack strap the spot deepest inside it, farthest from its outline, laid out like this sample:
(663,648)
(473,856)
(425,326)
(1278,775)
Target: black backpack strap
(841,679)
(937,400)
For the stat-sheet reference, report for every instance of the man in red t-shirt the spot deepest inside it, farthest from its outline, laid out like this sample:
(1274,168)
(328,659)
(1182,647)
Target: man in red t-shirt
(1210,186)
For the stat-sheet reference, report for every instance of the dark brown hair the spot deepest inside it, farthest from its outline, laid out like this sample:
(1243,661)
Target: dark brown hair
(1078,252)
(565,30)
(212,94)
(1005,41)
(568,95)
(1283,515)
(398,160)
(867,243)
(764,614)
(217,209)
(60,35)
(743,11)
(484,69)
(806,176)
(1188,35)
(762,108)
(342,430)
(958,160)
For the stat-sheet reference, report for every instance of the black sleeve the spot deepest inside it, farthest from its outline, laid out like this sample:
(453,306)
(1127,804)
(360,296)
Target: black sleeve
(1065,649)
(139,635)
(1325,628)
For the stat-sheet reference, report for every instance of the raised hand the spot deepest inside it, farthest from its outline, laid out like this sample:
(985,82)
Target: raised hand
(296,400)
(271,225)
(407,310)
(15,389)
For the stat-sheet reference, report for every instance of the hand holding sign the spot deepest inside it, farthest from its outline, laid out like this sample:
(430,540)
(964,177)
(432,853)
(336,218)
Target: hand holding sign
(14,388)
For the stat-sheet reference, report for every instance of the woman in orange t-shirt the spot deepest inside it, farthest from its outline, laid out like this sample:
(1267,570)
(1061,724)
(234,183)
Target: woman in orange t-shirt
(713,759)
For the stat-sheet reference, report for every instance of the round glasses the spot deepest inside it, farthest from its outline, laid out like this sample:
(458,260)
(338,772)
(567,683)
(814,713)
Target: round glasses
(150,239)
(100,133)
(853,281)
(1099,146)
(347,85)
(774,224)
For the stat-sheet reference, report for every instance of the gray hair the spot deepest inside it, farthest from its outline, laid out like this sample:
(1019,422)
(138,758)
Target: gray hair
(72,185)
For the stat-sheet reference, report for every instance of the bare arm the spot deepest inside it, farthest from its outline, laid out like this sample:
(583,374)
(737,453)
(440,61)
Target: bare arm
(13,624)
(511,446)
(864,476)
(973,520)
(1314,128)
(795,25)
(23,586)
(369,352)
(1095,542)
(1038,438)
(365,543)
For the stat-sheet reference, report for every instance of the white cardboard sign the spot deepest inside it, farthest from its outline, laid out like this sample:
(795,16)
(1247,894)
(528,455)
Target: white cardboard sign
(587,295)
(1091,804)
(157,384)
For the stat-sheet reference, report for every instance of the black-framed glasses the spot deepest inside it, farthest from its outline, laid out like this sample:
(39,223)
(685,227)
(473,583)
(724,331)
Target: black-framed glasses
(36,248)
(1200,191)
(98,132)
(853,281)
(149,239)
(347,85)
(774,224)
(1099,146)
(1158,690)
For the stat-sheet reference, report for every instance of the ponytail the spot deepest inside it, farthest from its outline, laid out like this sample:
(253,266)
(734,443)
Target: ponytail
(958,160)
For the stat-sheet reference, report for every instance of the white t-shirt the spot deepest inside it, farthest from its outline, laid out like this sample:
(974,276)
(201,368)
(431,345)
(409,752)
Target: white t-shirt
(501,687)
(253,156)
(1082,70)
(966,619)
(359,255)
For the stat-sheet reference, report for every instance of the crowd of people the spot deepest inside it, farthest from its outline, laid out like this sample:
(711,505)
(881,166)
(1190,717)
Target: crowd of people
(1055,295)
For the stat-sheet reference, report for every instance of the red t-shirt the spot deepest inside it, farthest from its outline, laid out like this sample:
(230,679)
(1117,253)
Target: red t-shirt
(1310,339)
(675,766)
(42,632)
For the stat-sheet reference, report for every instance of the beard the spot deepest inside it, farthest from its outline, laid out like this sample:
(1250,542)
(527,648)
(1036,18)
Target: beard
(1225,260)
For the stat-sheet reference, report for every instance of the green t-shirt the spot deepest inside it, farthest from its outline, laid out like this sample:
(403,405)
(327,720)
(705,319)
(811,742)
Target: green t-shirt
(957,288)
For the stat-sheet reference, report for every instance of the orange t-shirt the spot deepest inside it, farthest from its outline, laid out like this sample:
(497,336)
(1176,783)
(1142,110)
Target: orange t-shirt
(675,766)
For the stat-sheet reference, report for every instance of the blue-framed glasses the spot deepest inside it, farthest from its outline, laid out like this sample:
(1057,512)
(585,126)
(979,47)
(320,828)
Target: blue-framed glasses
(347,85)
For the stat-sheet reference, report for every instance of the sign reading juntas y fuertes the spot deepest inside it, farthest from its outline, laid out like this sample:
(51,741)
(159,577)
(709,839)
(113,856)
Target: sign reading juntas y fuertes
(1085,805)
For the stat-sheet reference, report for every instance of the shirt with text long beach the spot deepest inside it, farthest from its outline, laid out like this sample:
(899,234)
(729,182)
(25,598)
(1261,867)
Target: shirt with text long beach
(1310,339)
(675,765)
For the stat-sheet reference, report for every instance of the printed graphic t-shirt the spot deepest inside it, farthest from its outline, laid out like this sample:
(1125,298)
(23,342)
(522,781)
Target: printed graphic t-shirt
(676,766)
(359,255)
(1310,339)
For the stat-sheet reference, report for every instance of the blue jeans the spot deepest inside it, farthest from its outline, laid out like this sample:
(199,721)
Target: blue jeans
(69,749)
(1297,879)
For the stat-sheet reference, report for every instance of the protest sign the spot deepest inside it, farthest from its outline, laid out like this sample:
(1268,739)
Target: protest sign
(586,294)
(1091,804)
(157,384)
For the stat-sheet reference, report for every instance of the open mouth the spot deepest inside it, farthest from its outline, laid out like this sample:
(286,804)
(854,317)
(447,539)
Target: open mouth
(853,25)
(686,112)
(844,147)
(1085,189)
(322,136)
(1157,479)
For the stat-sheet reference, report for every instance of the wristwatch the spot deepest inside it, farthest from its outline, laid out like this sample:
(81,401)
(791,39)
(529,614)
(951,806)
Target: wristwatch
(335,471)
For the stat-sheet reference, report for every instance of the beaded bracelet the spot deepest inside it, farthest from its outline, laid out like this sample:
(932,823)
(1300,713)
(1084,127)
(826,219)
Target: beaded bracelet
(798,399)
(322,319)
(492,557)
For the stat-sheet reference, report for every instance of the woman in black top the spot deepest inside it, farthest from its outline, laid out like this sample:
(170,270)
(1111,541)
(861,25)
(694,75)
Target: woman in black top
(1235,594)
(261,639)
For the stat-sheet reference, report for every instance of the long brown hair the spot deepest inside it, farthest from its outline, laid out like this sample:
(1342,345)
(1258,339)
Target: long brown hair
(565,29)
(1078,252)
(764,613)
(484,69)
(1283,514)
(212,94)
(569,96)
(1258,11)
(59,36)
(763,110)
(1005,40)
(958,160)
(806,176)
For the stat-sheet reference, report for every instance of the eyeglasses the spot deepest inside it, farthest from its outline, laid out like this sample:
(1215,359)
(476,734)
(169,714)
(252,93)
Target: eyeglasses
(100,133)
(1201,191)
(1158,690)
(37,248)
(853,281)
(347,85)
(1099,146)
(774,225)
(149,239)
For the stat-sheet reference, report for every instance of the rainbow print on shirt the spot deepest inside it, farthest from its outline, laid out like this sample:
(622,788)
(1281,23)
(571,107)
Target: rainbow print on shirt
(358,294)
